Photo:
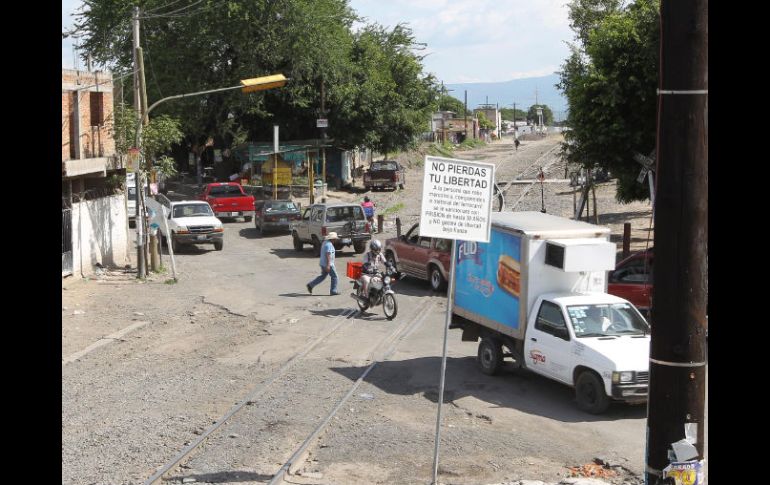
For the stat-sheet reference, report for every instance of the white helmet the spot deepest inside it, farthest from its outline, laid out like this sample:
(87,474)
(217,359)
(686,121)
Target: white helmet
(375,245)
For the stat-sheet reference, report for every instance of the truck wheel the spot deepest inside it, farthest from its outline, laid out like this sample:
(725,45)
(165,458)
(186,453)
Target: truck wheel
(490,356)
(401,186)
(590,395)
(359,247)
(437,282)
(174,245)
(316,246)
(218,245)
(297,242)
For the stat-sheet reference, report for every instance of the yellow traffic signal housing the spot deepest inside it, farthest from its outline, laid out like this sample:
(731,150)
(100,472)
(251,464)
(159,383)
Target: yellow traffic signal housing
(263,83)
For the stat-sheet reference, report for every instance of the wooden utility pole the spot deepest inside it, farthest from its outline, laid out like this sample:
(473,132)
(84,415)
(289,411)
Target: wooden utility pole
(465,114)
(140,259)
(680,291)
(323,139)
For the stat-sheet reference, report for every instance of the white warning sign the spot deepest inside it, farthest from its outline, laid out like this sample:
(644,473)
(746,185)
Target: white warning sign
(456,199)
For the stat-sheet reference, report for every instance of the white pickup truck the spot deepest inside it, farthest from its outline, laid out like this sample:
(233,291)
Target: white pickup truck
(538,289)
(189,222)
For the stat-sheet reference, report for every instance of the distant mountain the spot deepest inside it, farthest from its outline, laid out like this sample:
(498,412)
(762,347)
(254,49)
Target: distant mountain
(520,91)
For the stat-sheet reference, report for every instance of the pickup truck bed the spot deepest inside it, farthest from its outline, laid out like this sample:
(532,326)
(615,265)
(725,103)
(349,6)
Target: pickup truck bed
(228,199)
(385,174)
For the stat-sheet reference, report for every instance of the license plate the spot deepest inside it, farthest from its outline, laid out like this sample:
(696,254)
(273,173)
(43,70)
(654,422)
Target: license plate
(200,238)
(234,214)
(346,241)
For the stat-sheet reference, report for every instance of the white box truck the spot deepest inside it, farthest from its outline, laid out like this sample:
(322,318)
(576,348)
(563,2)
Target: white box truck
(538,290)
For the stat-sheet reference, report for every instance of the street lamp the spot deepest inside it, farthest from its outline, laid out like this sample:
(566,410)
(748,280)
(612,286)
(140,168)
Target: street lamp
(247,86)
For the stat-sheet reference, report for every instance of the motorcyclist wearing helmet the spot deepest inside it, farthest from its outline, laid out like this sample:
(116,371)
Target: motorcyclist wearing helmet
(372,258)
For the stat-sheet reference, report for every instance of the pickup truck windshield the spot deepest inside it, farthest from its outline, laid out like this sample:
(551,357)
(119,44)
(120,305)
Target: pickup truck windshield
(384,166)
(281,206)
(225,191)
(606,320)
(192,210)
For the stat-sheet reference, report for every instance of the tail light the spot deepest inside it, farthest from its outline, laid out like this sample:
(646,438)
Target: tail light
(323,230)
(296,217)
(367,227)
(395,176)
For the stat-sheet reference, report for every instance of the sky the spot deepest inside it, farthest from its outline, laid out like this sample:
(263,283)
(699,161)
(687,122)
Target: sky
(467,41)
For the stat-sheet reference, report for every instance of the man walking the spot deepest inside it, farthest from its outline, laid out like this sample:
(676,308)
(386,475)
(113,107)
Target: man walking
(327,265)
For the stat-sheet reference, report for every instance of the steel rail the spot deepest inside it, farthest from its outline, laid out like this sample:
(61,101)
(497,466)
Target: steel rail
(397,337)
(249,399)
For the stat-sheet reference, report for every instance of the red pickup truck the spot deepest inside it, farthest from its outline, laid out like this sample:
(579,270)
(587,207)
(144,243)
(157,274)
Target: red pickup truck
(228,199)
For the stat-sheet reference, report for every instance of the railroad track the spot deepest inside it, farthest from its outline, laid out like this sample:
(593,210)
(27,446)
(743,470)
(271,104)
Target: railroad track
(381,351)
(508,194)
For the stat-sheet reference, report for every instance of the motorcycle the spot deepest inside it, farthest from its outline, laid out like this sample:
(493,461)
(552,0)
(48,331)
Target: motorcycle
(379,292)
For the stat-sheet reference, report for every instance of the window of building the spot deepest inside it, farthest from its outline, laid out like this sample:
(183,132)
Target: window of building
(97,109)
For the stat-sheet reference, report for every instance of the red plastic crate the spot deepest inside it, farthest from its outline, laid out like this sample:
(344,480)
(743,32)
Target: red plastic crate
(354,269)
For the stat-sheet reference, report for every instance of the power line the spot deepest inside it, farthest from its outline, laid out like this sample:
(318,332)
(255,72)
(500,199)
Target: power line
(173,12)
(162,7)
(152,69)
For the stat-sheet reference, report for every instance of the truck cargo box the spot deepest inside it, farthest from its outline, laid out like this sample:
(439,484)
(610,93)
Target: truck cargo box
(529,253)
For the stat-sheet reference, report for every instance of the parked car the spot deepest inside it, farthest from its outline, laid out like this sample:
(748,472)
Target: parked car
(275,215)
(385,174)
(228,199)
(318,220)
(632,280)
(189,222)
(426,258)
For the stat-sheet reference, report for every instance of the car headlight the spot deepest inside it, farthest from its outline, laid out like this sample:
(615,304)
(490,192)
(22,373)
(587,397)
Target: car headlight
(182,230)
(622,377)
(386,280)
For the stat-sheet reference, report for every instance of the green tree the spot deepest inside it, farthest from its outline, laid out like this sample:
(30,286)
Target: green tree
(160,134)
(547,114)
(610,83)
(507,114)
(450,103)
(215,43)
(387,101)
(484,122)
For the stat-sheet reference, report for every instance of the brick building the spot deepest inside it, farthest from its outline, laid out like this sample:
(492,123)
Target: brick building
(94,222)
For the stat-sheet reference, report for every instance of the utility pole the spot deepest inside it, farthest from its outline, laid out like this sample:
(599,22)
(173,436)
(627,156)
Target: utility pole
(465,114)
(140,261)
(680,281)
(323,140)
(148,162)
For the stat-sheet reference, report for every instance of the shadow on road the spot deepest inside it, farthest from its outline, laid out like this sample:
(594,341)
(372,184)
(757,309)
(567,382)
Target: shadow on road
(520,389)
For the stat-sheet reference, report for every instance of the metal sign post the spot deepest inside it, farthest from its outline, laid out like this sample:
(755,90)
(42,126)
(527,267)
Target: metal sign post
(456,204)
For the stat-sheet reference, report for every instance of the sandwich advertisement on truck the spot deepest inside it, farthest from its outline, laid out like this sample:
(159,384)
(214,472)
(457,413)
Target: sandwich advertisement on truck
(489,277)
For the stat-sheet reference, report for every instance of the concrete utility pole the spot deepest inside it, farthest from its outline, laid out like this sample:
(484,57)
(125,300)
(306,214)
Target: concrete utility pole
(140,261)
(680,281)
